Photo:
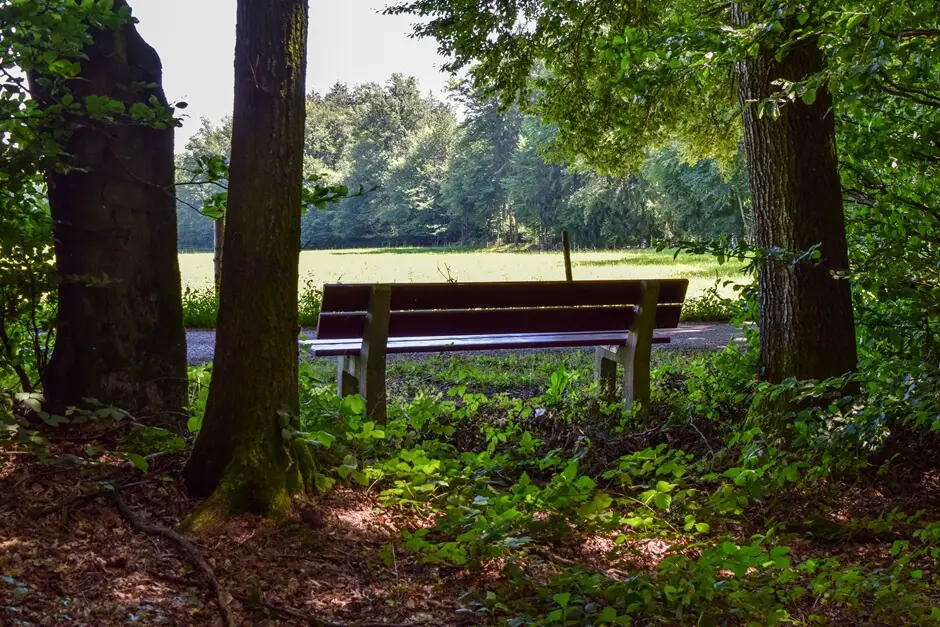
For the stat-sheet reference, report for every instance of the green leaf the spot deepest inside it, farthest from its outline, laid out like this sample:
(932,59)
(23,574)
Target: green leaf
(802,17)
(354,405)
(194,424)
(141,112)
(855,20)
(779,551)
(607,615)
(662,500)
(809,96)
(702,527)
(138,460)
(562,598)
(64,67)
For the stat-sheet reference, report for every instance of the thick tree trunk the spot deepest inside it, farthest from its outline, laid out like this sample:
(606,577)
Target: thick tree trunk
(806,321)
(120,337)
(241,457)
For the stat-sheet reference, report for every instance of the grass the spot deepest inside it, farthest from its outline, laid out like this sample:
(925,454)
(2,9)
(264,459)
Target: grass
(399,265)
(517,374)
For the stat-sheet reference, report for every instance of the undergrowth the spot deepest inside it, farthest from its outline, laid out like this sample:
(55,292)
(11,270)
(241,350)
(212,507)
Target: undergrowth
(688,512)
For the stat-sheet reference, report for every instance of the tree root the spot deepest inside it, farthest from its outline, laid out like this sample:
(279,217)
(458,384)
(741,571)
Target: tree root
(192,552)
(558,559)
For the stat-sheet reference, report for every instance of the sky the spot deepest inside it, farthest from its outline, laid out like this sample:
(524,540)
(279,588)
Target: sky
(349,42)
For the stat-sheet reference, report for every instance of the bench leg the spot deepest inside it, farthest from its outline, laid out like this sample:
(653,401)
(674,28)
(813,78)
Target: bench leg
(372,387)
(634,357)
(639,349)
(348,372)
(636,371)
(353,376)
(605,373)
(372,356)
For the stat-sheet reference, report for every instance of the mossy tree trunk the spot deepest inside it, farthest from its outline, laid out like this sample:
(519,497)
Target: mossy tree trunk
(240,459)
(119,336)
(807,326)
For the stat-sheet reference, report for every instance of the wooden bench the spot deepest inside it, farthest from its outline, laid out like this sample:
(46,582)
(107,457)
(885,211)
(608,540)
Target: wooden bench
(361,324)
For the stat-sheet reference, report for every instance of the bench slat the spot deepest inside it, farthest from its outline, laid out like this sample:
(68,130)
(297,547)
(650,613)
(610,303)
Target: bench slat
(339,348)
(339,297)
(494,321)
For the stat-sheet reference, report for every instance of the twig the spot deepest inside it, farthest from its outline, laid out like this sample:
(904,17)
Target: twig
(704,439)
(192,552)
(564,561)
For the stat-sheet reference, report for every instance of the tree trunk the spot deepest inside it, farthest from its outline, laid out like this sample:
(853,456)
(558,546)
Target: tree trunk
(119,336)
(240,457)
(807,329)
(218,241)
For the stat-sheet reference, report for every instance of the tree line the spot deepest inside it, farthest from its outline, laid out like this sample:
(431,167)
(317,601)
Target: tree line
(488,177)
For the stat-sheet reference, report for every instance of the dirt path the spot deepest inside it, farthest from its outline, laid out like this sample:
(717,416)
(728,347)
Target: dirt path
(200,343)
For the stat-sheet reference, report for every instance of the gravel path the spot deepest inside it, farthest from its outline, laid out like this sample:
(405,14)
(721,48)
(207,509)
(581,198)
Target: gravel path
(200,343)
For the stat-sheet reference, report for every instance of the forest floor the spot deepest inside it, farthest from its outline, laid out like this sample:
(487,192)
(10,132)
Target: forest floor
(66,560)
(69,556)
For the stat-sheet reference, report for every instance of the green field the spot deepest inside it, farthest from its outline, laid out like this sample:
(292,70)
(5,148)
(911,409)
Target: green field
(424,265)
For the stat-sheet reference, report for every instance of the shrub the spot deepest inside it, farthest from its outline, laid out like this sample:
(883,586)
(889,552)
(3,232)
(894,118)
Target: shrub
(308,307)
(28,282)
(201,306)
(709,307)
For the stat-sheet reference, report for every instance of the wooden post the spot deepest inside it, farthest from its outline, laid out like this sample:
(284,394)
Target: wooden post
(347,375)
(567,246)
(372,356)
(636,366)
(634,357)
(219,231)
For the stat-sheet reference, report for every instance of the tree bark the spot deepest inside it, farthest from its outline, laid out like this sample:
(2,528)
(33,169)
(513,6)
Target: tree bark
(807,327)
(218,244)
(119,336)
(241,458)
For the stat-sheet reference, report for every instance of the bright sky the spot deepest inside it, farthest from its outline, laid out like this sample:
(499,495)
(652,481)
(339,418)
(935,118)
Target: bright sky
(349,42)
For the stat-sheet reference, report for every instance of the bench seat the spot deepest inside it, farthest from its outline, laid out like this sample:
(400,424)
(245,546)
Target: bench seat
(361,324)
(442,344)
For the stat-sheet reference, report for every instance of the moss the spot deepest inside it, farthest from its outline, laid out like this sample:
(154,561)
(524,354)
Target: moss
(296,44)
(261,479)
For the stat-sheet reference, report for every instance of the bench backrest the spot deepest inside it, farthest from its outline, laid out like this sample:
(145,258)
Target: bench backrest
(444,309)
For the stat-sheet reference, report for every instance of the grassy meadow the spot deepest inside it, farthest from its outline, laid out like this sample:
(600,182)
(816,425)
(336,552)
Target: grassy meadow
(400,265)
